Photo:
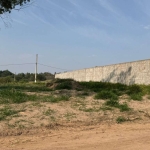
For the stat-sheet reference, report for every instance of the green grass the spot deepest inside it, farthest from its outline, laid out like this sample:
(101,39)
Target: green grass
(121,119)
(5,112)
(104,88)
(26,87)
(134,89)
(14,96)
(9,95)
(16,92)
(48,112)
(136,96)
(136,92)
(124,107)
(54,99)
(94,109)
(113,103)
(104,108)
(99,86)
(69,115)
(106,95)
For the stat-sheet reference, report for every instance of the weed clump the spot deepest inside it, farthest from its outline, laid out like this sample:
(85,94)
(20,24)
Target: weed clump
(5,112)
(106,95)
(134,89)
(116,104)
(48,112)
(124,107)
(14,96)
(135,92)
(121,119)
(112,103)
(137,96)
(94,109)
(54,99)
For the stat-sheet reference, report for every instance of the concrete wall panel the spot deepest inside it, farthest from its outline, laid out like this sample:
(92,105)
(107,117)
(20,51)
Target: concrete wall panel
(137,72)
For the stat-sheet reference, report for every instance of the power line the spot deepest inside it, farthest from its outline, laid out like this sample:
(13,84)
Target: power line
(17,64)
(53,67)
(34,64)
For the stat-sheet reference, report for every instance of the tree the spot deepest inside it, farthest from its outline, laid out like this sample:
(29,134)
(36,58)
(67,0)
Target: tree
(8,5)
(6,73)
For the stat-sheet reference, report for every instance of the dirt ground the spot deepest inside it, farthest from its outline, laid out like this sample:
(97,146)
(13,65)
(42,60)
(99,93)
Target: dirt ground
(77,124)
(127,136)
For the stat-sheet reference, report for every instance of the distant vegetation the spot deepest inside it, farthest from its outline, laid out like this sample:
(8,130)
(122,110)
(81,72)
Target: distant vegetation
(6,76)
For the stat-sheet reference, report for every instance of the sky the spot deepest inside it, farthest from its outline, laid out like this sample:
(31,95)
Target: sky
(75,34)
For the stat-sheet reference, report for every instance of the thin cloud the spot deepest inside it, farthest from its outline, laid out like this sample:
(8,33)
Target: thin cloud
(107,6)
(93,33)
(41,19)
(60,7)
(147,27)
(20,22)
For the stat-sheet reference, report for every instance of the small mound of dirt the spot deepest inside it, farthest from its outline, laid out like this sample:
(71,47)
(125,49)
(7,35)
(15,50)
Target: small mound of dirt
(59,84)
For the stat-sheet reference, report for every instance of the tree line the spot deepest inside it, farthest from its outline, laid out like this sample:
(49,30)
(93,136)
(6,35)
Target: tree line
(7,76)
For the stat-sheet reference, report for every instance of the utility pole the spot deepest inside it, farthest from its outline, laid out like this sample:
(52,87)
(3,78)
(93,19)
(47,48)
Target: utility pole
(14,76)
(36,67)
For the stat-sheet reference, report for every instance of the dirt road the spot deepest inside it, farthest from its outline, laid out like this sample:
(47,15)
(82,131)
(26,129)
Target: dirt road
(127,136)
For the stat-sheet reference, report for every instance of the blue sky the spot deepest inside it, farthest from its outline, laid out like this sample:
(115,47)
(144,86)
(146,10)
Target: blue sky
(75,34)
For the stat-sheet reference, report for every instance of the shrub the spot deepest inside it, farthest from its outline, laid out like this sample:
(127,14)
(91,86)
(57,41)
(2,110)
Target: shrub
(64,85)
(134,89)
(6,79)
(124,107)
(112,103)
(98,86)
(63,80)
(137,96)
(106,95)
(146,89)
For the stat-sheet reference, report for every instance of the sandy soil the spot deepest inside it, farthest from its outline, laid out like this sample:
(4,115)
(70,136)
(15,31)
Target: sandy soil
(127,136)
(77,124)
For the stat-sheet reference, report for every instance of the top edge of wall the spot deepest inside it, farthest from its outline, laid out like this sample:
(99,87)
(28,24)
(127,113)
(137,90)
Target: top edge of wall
(105,65)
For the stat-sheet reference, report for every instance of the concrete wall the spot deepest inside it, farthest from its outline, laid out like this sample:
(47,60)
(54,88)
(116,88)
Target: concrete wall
(137,72)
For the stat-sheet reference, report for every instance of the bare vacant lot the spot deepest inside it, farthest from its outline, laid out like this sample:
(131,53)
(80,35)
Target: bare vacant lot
(36,117)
